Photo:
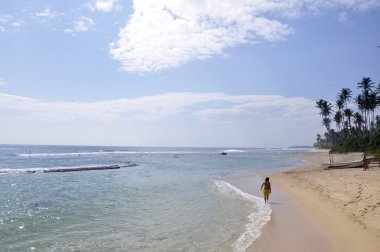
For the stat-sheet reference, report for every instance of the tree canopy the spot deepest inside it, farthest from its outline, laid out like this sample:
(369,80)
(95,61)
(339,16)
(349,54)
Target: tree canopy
(357,120)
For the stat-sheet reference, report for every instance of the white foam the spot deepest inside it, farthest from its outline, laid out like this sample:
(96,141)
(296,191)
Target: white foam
(59,154)
(233,151)
(20,170)
(47,169)
(256,220)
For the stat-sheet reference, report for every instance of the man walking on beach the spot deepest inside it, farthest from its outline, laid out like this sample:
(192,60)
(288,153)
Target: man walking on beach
(366,162)
(267,190)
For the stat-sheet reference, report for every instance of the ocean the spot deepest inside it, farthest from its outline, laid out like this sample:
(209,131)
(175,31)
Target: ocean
(161,199)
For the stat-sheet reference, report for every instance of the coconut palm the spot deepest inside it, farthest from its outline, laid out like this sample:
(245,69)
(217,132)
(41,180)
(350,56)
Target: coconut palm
(358,120)
(338,119)
(345,96)
(366,84)
(348,113)
(367,100)
(378,95)
(326,122)
(372,105)
(356,130)
(340,105)
(326,110)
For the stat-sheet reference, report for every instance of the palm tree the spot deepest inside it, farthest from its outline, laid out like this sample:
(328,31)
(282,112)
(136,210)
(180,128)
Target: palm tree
(366,84)
(358,120)
(338,119)
(360,102)
(372,105)
(340,105)
(325,111)
(345,96)
(366,99)
(355,130)
(377,92)
(348,113)
(319,138)
(326,122)
(325,107)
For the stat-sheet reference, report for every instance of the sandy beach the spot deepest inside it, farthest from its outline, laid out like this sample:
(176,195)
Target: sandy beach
(289,229)
(323,210)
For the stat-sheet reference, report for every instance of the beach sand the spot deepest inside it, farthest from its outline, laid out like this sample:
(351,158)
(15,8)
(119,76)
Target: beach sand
(323,210)
(289,229)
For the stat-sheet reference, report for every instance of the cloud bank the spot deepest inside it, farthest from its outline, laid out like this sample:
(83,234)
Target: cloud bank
(204,107)
(172,119)
(165,34)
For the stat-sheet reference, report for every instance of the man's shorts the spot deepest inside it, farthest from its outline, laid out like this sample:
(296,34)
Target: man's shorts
(266,192)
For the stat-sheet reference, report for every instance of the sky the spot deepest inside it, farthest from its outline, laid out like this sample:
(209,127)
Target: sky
(191,73)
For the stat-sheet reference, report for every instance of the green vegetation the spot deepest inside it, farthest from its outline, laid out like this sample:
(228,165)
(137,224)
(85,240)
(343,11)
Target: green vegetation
(355,129)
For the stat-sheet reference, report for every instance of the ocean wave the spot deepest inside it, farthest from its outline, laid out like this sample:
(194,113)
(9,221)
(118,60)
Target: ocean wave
(233,151)
(65,168)
(256,219)
(21,170)
(58,154)
(102,152)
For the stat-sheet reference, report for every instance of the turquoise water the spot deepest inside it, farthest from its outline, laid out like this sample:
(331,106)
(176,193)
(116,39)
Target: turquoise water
(174,199)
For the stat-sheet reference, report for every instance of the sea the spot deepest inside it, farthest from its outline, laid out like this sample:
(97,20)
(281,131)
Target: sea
(161,199)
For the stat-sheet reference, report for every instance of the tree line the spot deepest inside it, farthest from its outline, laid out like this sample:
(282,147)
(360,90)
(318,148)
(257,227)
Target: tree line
(353,122)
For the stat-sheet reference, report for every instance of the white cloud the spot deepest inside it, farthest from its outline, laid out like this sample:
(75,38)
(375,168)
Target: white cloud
(47,13)
(172,119)
(169,33)
(2,82)
(104,5)
(266,109)
(17,24)
(208,107)
(343,17)
(10,23)
(82,24)
(166,34)
(5,19)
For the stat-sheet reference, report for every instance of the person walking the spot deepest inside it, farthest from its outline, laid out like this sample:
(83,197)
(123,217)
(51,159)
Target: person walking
(266,188)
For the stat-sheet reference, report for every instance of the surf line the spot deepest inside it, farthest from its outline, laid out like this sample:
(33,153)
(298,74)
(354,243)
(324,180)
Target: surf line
(68,169)
(90,168)
(109,167)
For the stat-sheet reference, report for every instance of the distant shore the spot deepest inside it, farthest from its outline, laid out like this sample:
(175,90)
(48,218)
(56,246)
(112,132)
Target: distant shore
(342,206)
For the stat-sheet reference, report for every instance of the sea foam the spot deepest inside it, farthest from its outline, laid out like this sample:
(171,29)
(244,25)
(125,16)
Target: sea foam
(256,220)
(99,153)
(233,151)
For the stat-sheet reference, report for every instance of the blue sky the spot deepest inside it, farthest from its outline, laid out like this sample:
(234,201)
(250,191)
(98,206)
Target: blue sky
(242,73)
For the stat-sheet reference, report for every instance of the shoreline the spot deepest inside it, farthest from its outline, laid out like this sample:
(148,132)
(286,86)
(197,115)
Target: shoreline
(341,206)
(289,229)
